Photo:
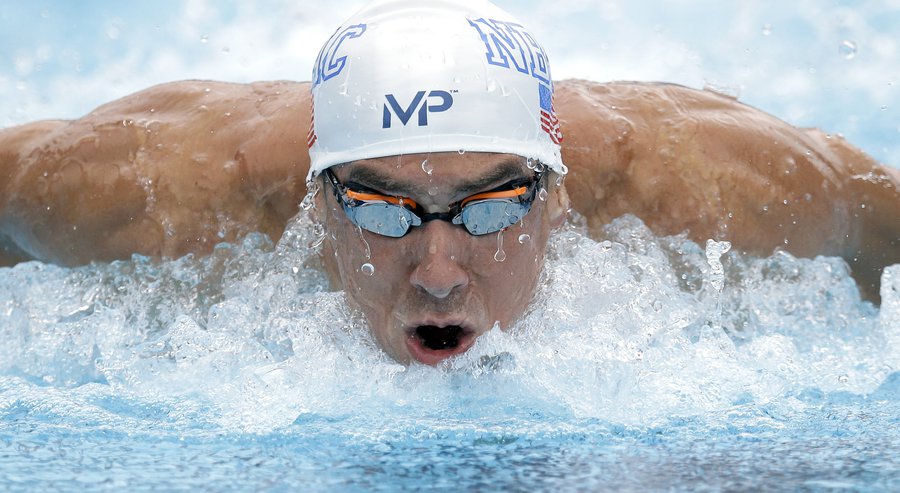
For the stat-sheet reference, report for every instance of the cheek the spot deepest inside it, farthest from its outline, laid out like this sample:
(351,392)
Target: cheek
(370,267)
(509,285)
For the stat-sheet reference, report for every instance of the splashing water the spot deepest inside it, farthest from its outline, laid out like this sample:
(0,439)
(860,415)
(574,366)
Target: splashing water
(626,357)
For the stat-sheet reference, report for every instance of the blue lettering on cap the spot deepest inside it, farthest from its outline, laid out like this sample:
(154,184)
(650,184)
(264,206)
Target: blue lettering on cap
(393,108)
(329,64)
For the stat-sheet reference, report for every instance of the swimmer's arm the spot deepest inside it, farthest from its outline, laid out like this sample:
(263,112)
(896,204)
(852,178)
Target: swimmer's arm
(695,161)
(170,170)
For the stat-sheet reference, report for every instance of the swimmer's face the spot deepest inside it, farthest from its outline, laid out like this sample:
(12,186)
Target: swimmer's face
(435,290)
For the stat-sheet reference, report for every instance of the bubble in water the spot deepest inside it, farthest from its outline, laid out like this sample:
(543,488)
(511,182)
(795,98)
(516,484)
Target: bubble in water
(848,49)
(204,39)
(766,29)
(524,238)
(462,151)
(543,195)
(427,168)
(367,269)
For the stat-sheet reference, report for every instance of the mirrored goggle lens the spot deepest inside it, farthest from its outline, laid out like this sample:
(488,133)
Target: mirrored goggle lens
(384,219)
(489,216)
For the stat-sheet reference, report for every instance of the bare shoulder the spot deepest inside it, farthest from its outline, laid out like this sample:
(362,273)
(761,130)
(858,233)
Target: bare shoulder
(686,159)
(169,170)
(692,160)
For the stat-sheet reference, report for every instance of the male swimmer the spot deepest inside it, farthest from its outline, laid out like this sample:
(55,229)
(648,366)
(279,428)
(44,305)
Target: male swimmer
(437,132)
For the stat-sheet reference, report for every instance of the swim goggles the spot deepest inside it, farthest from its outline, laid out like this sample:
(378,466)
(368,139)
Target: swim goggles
(480,214)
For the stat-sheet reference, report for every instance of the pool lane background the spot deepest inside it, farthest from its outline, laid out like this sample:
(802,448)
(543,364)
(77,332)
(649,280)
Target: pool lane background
(830,64)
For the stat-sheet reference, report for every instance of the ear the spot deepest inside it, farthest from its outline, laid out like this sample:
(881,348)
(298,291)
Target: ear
(558,205)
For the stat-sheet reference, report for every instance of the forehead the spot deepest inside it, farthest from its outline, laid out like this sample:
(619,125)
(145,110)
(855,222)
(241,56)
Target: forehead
(471,171)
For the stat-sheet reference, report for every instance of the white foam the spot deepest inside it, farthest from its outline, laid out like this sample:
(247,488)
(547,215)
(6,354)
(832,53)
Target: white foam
(631,329)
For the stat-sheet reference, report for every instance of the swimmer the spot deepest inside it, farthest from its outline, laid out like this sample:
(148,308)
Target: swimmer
(438,139)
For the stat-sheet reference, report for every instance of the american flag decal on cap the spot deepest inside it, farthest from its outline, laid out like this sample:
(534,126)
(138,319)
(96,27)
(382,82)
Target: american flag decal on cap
(549,121)
(311,137)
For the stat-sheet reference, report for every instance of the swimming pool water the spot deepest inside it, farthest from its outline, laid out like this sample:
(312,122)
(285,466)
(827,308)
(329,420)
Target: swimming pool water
(646,363)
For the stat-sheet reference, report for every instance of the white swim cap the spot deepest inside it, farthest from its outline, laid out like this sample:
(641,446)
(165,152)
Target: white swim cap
(419,76)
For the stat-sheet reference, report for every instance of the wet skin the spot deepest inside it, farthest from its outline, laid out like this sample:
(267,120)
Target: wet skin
(436,289)
(182,166)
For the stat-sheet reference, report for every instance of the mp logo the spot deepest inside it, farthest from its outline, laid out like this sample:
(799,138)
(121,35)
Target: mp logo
(434,102)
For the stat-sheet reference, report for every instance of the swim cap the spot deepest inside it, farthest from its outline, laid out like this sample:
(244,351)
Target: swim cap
(419,76)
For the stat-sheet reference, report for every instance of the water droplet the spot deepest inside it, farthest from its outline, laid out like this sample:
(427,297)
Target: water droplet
(363,238)
(204,39)
(847,49)
(843,378)
(543,195)
(427,168)
(766,29)
(524,238)
(500,255)
(308,202)
(367,269)
(884,107)
(462,151)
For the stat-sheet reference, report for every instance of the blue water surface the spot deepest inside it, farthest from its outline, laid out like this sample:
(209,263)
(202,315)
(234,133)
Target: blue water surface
(633,372)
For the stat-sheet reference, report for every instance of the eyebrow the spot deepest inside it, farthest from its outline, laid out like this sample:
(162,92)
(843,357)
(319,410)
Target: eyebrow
(371,177)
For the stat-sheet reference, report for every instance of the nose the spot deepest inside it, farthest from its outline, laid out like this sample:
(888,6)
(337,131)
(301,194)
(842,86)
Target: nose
(438,270)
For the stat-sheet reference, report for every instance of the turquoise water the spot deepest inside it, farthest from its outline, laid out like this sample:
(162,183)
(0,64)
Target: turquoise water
(647,364)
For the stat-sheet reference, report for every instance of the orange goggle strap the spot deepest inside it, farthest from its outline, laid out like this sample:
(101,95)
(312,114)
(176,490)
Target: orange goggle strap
(504,194)
(407,202)
(366,197)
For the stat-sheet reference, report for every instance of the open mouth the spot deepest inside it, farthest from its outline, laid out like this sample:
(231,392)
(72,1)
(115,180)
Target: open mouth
(431,344)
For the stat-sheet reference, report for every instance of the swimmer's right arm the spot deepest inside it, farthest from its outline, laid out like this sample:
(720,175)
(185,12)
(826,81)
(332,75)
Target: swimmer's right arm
(13,143)
(170,170)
